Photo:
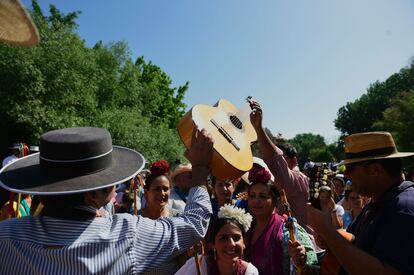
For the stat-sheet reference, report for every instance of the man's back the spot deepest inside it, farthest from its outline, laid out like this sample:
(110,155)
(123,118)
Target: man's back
(114,245)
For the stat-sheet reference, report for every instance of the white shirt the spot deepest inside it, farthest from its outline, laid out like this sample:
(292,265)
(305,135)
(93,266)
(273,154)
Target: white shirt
(9,159)
(118,244)
(189,268)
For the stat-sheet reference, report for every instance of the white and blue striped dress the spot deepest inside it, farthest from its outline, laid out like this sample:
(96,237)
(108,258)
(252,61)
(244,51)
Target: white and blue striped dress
(120,244)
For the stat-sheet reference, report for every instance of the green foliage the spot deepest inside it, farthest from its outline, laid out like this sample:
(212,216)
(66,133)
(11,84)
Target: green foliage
(62,83)
(309,147)
(304,143)
(361,115)
(399,120)
(321,154)
(387,106)
(130,129)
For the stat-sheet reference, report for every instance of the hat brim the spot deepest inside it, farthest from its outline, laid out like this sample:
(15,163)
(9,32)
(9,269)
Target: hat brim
(25,175)
(245,178)
(395,155)
(182,170)
(16,25)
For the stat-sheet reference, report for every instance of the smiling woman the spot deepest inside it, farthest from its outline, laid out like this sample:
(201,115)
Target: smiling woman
(157,192)
(266,241)
(226,243)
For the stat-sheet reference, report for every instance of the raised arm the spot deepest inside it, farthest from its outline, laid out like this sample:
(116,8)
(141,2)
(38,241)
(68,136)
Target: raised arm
(158,240)
(272,155)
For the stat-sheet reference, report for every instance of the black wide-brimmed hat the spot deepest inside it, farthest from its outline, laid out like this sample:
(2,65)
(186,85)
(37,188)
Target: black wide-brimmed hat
(72,160)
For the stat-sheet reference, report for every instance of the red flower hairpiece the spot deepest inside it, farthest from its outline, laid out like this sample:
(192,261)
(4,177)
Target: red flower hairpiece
(160,167)
(259,174)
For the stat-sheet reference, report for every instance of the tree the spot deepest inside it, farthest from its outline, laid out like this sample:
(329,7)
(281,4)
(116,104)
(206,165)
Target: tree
(321,154)
(304,143)
(63,83)
(360,115)
(399,120)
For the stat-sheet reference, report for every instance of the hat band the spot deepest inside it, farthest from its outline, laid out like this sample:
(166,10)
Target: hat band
(371,153)
(75,160)
(80,167)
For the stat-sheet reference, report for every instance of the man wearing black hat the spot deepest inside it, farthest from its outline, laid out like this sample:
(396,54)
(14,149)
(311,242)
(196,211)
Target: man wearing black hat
(383,231)
(76,172)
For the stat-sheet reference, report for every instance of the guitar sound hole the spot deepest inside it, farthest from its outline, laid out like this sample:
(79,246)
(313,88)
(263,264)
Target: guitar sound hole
(236,122)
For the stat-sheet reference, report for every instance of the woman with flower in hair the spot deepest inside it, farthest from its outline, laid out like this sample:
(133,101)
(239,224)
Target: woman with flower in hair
(267,242)
(225,238)
(157,192)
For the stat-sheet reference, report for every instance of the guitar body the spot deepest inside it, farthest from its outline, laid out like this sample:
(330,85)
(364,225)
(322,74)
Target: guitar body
(330,265)
(232,155)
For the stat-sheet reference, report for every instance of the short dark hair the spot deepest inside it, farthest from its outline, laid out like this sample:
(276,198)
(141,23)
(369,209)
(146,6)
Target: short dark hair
(67,206)
(393,166)
(288,150)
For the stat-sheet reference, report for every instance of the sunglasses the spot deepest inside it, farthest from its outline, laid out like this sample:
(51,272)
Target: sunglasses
(351,167)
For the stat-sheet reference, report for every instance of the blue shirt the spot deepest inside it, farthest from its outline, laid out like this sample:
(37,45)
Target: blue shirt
(118,244)
(384,229)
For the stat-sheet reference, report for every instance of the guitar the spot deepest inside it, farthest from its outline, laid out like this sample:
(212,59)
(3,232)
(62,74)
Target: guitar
(232,132)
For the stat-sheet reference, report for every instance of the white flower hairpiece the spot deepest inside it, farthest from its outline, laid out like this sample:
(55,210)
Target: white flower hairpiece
(232,212)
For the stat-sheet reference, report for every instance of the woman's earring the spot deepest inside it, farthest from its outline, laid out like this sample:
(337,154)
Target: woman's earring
(215,254)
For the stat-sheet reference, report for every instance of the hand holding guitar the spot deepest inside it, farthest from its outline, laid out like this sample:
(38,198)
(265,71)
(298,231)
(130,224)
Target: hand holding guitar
(256,116)
(200,154)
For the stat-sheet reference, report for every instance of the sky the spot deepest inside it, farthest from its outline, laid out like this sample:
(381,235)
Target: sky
(301,59)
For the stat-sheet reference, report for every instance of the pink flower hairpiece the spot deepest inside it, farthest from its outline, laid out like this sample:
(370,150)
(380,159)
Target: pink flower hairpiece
(259,174)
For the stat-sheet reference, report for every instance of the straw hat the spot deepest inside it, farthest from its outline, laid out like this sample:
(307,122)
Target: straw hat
(371,145)
(72,160)
(181,168)
(16,26)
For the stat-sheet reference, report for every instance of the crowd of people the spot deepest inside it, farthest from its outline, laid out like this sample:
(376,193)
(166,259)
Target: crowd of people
(81,205)
(90,207)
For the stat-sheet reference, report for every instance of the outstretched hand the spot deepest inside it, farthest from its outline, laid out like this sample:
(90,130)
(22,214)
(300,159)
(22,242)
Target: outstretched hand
(201,149)
(256,116)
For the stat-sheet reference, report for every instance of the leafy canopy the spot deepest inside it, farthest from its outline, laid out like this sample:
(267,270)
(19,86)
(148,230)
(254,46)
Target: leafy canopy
(63,83)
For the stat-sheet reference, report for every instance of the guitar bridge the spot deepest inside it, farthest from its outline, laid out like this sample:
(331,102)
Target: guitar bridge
(225,134)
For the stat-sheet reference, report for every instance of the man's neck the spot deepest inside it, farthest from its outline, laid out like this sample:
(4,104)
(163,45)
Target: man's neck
(385,186)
